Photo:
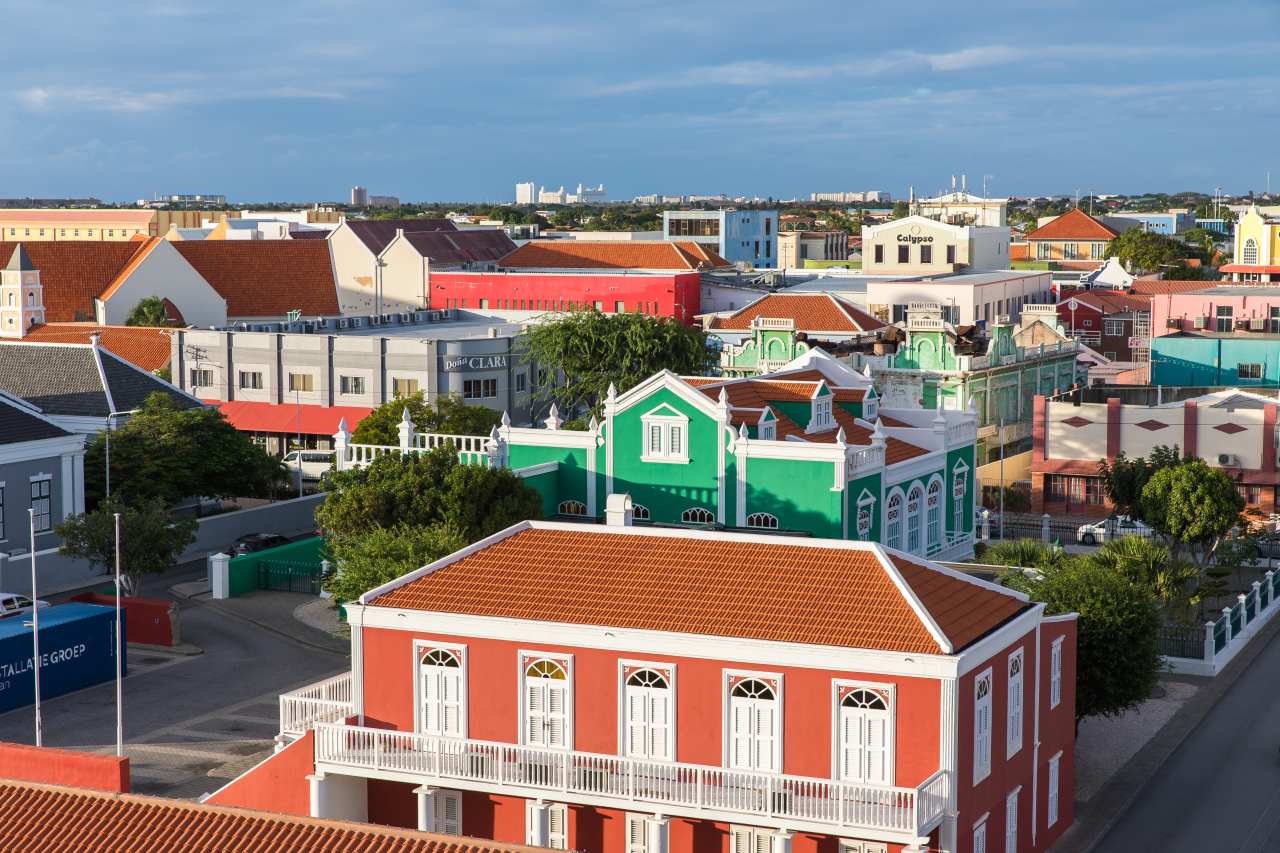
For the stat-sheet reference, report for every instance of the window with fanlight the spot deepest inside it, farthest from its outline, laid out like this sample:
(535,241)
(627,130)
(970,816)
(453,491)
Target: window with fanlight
(572,508)
(697,515)
(762,519)
(893,521)
(547,700)
(441,697)
(649,710)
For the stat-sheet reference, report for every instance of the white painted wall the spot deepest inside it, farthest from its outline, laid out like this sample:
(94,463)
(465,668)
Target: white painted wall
(165,273)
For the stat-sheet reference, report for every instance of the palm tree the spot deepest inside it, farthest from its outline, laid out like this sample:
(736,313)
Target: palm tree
(1150,564)
(150,311)
(1023,553)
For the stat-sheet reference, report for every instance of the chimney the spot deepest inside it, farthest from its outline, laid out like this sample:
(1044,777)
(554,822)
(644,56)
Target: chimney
(95,339)
(618,511)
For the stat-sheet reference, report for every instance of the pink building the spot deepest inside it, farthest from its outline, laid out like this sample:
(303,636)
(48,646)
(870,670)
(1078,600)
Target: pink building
(1225,308)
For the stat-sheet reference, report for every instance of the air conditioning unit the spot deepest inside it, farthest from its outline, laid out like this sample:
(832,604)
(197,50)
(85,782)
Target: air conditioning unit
(375,321)
(1173,323)
(1242,324)
(1200,322)
(1258,324)
(344,323)
(406,317)
(1228,460)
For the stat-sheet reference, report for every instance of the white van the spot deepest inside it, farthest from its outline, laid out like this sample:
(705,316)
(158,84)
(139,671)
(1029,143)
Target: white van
(315,464)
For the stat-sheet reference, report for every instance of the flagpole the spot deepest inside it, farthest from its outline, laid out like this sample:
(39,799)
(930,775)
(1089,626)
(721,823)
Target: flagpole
(35,626)
(119,653)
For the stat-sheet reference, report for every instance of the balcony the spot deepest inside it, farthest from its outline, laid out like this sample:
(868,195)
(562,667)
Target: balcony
(688,790)
(327,701)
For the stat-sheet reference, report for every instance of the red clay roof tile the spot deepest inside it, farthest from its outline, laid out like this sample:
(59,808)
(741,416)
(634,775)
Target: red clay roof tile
(613,254)
(74,273)
(811,312)
(267,278)
(143,346)
(1075,224)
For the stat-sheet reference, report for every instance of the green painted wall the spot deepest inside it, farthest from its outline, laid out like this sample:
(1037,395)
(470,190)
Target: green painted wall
(548,485)
(953,456)
(810,504)
(798,412)
(571,474)
(243,570)
(816,264)
(872,484)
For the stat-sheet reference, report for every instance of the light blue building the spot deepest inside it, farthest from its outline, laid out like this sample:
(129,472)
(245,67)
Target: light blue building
(1169,223)
(1217,226)
(739,236)
(1216,358)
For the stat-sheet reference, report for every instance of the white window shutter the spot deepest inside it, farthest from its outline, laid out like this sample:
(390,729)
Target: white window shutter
(557,826)
(740,736)
(535,711)
(448,812)
(660,742)
(637,834)
(741,840)
(637,730)
(1011,823)
(557,710)
(1052,816)
(980,838)
(450,701)
(762,841)
(430,702)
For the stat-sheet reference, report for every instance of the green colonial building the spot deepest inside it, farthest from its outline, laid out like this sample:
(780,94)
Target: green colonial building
(808,450)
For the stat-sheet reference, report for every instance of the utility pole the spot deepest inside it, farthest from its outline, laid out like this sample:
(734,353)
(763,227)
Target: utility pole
(1001,434)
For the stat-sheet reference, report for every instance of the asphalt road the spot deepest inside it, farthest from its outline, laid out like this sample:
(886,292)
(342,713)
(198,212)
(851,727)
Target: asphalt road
(191,722)
(1220,791)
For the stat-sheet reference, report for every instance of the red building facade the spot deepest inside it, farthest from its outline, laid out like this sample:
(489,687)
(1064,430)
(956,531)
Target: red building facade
(661,294)
(640,690)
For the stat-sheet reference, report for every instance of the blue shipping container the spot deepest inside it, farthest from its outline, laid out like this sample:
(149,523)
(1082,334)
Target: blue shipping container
(77,649)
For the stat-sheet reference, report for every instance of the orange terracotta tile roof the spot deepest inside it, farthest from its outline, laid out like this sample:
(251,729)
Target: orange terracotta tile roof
(1162,286)
(758,587)
(143,346)
(842,395)
(74,273)
(811,312)
(267,278)
(1111,301)
(54,819)
(613,254)
(1075,224)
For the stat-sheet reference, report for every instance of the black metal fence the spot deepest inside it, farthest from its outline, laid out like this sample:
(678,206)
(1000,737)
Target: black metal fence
(289,576)
(1181,641)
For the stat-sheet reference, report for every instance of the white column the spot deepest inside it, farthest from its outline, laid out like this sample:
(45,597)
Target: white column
(315,781)
(220,575)
(426,808)
(537,823)
(656,834)
(78,466)
(339,797)
(67,485)
(405,431)
(921,845)
(781,842)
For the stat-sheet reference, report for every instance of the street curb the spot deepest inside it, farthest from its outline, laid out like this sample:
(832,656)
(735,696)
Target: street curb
(180,649)
(228,612)
(1116,797)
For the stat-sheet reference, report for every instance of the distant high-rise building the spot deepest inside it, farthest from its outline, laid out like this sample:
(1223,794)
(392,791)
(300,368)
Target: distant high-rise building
(359,197)
(384,201)
(526,193)
(850,197)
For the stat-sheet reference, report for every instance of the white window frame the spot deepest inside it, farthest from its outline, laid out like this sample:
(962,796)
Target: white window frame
(768,431)
(1249,252)
(770,521)
(916,518)
(1055,673)
(420,648)
(640,512)
(1053,789)
(981,748)
(1011,820)
(726,697)
(668,670)
(309,379)
(980,834)
(45,501)
(684,519)
(868,500)
(439,809)
(1015,702)
(564,506)
(823,417)
(849,845)
(557,840)
(526,657)
(759,839)
(880,687)
(959,472)
(934,526)
(665,423)
(631,822)
(902,518)
(1112,328)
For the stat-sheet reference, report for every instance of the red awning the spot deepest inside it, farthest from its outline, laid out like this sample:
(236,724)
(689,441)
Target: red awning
(1249,268)
(285,418)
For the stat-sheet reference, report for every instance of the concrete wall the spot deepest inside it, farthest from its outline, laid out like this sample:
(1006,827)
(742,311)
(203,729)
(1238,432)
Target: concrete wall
(64,767)
(353,271)
(404,278)
(165,273)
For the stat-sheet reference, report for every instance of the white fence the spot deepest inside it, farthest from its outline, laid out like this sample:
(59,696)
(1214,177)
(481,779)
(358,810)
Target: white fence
(1205,651)
(327,701)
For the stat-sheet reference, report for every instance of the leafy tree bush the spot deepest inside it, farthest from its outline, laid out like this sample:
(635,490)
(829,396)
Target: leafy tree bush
(1142,250)
(149,311)
(383,554)
(166,453)
(1123,478)
(1024,553)
(449,415)
(1193,506)
(1150,565)
(425,489)
(151,540)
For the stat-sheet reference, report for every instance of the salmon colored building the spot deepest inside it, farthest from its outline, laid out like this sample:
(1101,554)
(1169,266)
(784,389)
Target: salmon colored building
(630,689)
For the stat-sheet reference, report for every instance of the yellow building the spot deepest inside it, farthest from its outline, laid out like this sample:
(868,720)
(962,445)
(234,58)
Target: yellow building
(74,224)
(1257,248)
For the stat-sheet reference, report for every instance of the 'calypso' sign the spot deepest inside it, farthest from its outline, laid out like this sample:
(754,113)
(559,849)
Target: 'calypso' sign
(471,363)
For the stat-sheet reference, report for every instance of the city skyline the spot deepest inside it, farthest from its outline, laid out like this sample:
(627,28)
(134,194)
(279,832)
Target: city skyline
(455,104)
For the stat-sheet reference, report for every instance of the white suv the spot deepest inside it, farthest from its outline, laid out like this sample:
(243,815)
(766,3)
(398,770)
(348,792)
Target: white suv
(1097,532)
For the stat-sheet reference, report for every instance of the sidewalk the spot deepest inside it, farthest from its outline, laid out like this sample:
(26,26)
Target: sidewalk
(269,610)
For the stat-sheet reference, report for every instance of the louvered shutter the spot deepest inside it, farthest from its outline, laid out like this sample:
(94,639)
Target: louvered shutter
(742,840)
(765,728)
(637,833)
(660,741)
(1011,823)
(980,838)
(557,714)
(762,841)
(430,701)
(876,727)
(448,812)
(851,763)
(637,723)
(535,712)
(450,701)
(557,827)
(741,741)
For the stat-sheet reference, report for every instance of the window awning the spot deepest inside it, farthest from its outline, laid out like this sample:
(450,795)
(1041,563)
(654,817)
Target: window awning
(289,418)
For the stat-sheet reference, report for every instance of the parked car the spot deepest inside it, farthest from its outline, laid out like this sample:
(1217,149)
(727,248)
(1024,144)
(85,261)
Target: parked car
(12,604)
(315,464)
(253,542)
(1097,532)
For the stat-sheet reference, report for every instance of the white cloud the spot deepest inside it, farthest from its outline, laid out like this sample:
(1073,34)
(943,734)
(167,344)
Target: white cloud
(51,98)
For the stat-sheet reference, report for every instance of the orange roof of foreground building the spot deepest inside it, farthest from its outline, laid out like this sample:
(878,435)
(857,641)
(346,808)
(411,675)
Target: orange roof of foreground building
(55,819)
(613,254)
(1075,224)
(267,278)
(822,592)
(811,312)
(143,346)
(1162,286)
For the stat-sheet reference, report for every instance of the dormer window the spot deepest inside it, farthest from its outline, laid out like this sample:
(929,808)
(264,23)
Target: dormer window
(769,431)
(822,419)
(665,435)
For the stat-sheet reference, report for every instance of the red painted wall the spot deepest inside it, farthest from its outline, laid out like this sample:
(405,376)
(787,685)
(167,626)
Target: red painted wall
(64,767)
(278,784)
(1057,733)
(663,294)
(147,620)
(807,702)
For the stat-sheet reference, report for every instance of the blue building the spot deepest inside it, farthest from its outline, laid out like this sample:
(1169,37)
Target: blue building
(1216,359)
(1170,223)
(747,237)
(1217,226)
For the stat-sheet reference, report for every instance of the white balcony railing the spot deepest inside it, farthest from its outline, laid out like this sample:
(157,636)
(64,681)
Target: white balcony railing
(690,790)
(327,701)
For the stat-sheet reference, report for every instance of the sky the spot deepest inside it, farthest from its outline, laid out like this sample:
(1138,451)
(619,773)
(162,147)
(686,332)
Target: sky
(451,101)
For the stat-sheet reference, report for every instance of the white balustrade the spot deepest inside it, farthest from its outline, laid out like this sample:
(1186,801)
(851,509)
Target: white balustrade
(327,701)
(865,458)
(688,789)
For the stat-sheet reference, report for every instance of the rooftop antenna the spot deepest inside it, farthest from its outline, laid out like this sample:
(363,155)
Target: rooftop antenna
(986,178)
(964,184)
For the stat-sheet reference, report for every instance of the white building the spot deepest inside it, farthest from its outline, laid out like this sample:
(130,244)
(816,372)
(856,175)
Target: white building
(850,197)
(384,201)
(959,207)
(920,245)
(526,193)
(359,197)
(965,299)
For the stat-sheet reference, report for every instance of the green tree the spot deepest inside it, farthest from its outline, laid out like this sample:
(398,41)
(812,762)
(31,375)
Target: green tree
(151,539)
(383,554)
(424,489)
(1149,564)
(593,350)
(167,453)
(1193,506)
(451,415)
(1123,478)
(149,311)
(1141,250)
(1023,553)
(1117,652)
(900,209)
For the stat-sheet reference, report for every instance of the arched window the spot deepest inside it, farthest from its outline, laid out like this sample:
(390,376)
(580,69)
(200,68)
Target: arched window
(546,669)
(639,512)
(866,738)
(647,716)
(440,693)
(914,498)
(697,515)
(12,301)
(762,519)
(893,521)
(546,704)
(752,688)
(572,508)
(1249,254)
(753,726)
(31,300)
(933,514)
(647,678)
(861,698)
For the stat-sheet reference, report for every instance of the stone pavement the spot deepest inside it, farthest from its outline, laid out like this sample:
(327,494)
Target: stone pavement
(269,610)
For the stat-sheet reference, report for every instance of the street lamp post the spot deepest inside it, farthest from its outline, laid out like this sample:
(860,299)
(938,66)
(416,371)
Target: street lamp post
(120,652)
(35,627)
(111,416)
